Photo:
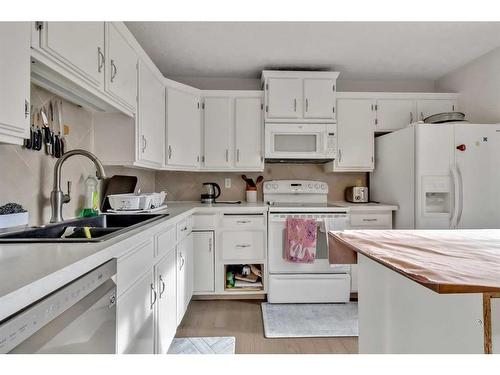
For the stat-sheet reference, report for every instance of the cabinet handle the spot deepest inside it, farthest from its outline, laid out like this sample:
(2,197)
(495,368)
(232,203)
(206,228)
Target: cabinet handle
(411,117)
(153,296)
(243,222)
(26,108)
(307,104)
(162,290)
(144,143)
(182,262)
(100,59)
(227,155)
(209,245)
(242,246)
(169,152)
(295,105)
(340,155)
(370,219)
(238,155)
(184,229)
(114,70)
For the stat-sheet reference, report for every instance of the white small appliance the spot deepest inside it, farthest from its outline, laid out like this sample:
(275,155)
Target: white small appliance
(301,142)
(304,282)
(442,176)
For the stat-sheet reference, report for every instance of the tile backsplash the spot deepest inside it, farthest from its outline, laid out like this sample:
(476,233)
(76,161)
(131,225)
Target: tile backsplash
(27,175)
(183,186)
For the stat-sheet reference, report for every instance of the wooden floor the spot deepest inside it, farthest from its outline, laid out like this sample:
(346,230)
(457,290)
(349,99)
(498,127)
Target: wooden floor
(243,319)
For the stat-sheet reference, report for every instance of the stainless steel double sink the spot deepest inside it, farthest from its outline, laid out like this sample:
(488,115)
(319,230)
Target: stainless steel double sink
(101,228)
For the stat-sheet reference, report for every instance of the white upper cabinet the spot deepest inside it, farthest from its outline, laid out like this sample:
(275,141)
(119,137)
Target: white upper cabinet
(79,45)
(183,128)
(150,117)
(14,81)
(319,98)
(394,114)
(232,130)
(429,107)
(249,126)
(299,96)
(218,130)
(121,67)
(355,136)
(284,98)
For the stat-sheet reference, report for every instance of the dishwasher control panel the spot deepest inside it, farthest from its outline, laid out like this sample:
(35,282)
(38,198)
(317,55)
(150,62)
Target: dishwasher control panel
(24,324)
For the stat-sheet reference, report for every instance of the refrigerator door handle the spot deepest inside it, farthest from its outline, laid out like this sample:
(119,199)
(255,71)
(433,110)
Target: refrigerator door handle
(460,195)
(456,197)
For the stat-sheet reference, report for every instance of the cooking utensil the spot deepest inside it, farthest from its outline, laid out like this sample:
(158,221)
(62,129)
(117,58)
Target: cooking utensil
(47,137)
(37,134)
(259,180)
(62,140)
(439,118)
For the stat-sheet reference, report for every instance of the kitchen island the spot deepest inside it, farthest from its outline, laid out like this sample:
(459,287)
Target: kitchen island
(425,291)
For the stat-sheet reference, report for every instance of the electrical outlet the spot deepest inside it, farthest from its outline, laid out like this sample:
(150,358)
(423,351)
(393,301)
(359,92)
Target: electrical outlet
(227,183)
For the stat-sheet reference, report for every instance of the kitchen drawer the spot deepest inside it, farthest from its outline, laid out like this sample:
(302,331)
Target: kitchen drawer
(166,241)
(133,265)
(371,220)
(204,221)
(243,245)
(244,221)
(184,228)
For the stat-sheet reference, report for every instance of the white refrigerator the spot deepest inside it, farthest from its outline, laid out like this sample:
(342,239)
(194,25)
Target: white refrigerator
(442,176)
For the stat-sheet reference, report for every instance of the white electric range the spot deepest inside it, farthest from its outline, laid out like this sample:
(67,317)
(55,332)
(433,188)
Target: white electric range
(304,282)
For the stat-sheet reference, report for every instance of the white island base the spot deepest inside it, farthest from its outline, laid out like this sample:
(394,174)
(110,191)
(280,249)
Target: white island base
(398,315)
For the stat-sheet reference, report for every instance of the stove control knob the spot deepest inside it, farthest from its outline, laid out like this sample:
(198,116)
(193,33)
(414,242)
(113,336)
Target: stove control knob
(316,186)
(310,186)
(323,186)
(275,186)
(268,186)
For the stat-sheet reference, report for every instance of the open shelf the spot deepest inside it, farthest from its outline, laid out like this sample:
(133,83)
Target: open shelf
(244,285)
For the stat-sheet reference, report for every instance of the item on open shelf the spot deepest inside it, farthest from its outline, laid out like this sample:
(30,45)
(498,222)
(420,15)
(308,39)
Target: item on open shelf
(236,280)
(252,278)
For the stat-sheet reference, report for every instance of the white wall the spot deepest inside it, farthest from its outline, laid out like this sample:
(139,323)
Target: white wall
(478,84)
(226,83)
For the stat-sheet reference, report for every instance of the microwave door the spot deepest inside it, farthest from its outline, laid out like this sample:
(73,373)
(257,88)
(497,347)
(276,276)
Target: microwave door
(295,141)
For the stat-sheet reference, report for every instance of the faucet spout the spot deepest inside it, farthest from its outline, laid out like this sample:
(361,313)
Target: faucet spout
(57,197)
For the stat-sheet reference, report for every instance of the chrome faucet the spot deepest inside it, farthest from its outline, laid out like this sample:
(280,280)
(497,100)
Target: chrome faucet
(57,197)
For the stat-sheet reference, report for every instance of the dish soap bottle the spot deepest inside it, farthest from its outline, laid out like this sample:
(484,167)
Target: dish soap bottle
(91,198)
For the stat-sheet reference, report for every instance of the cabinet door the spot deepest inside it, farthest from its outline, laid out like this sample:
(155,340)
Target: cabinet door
(428,107)
(183,128)
(166,323)
(121,67)
(204,266)
(319,98)
(14,80)
(151,116)
(394,114)
(134,317)
(249,128)
(79,45)
(181,281)
(218,128)
(355,135)
(189,268)
(284,98)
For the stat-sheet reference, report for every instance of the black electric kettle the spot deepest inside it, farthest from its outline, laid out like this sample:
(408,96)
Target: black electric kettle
(211,192)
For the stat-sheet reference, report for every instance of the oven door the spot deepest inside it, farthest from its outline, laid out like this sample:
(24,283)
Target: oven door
(296,141)
(276,244)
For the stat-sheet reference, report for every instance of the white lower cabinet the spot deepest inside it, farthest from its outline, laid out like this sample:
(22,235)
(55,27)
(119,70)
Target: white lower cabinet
(204,262)
(166,317)
(134,317)
(184,275)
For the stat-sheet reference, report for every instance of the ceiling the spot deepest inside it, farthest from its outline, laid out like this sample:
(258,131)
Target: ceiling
(359,50)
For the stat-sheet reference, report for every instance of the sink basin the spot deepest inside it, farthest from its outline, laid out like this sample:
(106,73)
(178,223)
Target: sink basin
(102,227)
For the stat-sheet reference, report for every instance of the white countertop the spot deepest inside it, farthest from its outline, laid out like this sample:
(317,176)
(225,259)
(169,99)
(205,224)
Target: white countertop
(366,206)
(29,271)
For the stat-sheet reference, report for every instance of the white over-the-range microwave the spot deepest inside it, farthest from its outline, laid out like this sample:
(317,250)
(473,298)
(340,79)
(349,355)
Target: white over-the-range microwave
(303,141)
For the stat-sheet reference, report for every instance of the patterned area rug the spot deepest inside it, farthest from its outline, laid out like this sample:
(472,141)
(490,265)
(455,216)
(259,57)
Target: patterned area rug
(310,320)
(203,345)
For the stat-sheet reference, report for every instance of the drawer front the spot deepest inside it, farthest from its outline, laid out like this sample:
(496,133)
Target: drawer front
(244,221)
(166,241)
(204,221)
(243,245)
(371,220)
(133,265)
(184,228)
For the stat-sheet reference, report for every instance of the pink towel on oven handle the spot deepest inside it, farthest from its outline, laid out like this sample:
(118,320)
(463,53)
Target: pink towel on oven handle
(300,240)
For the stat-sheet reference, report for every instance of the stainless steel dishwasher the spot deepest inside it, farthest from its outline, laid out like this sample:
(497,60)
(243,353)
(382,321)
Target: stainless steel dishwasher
(79,317)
